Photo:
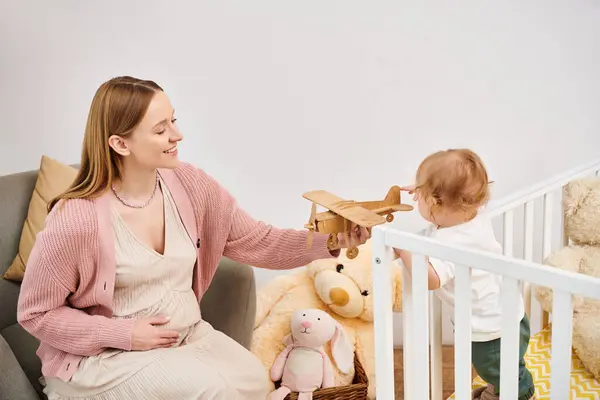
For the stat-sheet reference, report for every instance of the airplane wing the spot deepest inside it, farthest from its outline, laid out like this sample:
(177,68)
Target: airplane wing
(347,209)
(323,198)
(394,208)
(360,216)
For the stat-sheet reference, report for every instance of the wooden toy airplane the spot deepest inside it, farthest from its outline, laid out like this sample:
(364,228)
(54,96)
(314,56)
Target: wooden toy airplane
(341,212)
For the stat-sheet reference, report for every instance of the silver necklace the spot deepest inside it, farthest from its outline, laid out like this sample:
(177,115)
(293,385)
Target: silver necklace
(126,203)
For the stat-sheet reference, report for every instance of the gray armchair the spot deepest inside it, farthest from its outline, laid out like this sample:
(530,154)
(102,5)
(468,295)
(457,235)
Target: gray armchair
(229,304)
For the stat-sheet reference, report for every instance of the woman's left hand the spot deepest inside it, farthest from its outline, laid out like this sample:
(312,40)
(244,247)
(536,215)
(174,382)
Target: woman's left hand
(357,236)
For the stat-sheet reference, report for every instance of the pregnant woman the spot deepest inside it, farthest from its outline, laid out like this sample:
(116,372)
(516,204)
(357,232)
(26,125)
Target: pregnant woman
(113,284)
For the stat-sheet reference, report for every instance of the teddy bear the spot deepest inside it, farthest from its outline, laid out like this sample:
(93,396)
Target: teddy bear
(343,288)
(581,207)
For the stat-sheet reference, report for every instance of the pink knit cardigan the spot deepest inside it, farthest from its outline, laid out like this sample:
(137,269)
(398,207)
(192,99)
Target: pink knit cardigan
(67,292)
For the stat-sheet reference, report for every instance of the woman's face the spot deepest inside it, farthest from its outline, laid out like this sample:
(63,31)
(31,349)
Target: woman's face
(153,143)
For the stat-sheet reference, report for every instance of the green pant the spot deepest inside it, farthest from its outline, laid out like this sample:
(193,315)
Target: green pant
(486,361)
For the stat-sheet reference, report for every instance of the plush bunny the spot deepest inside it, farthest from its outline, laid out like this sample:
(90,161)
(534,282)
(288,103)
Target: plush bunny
(304,366)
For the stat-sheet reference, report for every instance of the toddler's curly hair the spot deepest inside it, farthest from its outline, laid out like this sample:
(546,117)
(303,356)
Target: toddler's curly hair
(455,179)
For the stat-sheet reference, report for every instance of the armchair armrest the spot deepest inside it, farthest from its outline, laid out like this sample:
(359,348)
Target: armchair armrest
(14,384)
(9,297)
(229,304)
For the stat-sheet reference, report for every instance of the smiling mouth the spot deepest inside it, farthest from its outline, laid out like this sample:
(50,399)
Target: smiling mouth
(171,150)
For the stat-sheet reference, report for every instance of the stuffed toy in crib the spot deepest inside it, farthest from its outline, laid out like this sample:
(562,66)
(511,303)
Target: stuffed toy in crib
(342,288)
(581,202)
(303,366)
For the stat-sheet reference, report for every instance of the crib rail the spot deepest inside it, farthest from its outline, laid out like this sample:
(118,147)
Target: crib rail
(506,207)
(510,202)
(422,322)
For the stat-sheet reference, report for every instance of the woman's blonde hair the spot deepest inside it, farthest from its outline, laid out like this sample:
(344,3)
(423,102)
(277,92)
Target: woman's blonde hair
(455,179)
(117,108)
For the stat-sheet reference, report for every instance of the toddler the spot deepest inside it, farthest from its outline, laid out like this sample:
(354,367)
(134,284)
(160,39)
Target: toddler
(451,187)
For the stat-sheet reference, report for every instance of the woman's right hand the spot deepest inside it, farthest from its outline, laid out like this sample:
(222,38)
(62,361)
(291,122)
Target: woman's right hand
(147,336)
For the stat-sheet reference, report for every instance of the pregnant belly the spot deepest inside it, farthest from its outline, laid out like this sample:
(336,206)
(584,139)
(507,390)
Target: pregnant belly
(183,310)
(180,306)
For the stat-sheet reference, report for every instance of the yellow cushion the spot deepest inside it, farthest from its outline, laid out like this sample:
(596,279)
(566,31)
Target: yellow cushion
(53,179)
(538,360)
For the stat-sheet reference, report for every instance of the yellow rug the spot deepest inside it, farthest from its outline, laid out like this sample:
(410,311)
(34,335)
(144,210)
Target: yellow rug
(537,358)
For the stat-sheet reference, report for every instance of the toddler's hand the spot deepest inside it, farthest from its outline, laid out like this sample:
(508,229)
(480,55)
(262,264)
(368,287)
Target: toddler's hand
(397,253)
(410,189)
(146,336)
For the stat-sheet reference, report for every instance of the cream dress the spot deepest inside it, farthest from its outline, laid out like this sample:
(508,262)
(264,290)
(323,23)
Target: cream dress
(205,364)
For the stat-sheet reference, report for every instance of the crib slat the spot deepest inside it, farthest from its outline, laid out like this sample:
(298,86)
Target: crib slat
(407,348)
(462,333)
(383,315)
(435,326)
(563,224)
(529,210)
(509,346)
(420,326)
(547,224)
(508,233)
(546,243)
(562,331)
(528,252)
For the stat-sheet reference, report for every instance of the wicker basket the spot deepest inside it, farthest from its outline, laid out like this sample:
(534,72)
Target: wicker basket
(357,390)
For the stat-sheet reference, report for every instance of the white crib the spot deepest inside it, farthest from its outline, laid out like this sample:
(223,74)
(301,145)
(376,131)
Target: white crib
(422,315)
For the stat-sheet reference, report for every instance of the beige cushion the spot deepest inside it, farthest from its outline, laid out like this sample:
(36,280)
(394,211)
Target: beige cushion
(53,179)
